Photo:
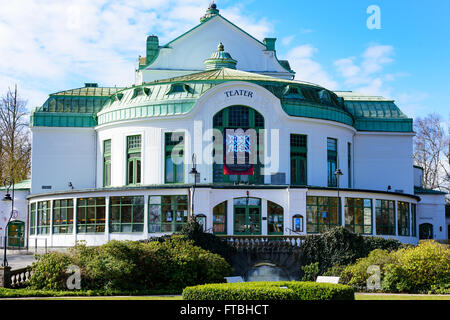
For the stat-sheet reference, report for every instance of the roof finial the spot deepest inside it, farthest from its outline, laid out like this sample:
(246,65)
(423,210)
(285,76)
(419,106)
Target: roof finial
(210,12)
(220,47)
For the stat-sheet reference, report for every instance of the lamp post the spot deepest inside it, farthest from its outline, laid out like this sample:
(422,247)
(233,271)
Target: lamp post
(9,183)
(193,172)
(338,173)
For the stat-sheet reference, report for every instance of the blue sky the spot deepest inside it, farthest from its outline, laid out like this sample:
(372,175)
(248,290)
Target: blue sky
(48,46)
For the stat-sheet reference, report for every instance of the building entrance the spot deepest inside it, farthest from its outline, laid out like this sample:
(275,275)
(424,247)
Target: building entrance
(247,216)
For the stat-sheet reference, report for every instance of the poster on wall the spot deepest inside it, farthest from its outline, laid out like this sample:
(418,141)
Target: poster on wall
(240,152)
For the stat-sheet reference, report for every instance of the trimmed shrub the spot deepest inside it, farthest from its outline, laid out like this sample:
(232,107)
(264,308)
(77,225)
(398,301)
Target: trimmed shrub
(277,290)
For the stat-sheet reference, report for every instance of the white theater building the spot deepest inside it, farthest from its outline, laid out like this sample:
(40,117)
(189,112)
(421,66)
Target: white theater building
(117,163)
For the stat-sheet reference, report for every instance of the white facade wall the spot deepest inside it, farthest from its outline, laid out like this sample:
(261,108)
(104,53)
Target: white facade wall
(432,210)
(188,53)
(60,156)
(197,126)
(20,205)
(382,160)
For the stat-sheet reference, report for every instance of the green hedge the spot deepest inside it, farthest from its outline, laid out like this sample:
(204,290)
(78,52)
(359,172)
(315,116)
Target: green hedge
(18,293)
(277,290)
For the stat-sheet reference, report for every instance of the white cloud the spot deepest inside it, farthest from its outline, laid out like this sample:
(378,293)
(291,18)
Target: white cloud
(364,74)
(47,46)
(301,60)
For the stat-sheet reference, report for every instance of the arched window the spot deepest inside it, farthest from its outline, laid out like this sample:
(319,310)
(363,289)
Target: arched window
(220,218)
(275,215)
(236,150)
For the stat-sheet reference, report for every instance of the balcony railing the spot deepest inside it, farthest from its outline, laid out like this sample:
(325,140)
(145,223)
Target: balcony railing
(250,241)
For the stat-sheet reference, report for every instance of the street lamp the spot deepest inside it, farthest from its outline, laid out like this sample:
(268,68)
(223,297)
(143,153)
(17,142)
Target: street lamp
(338,173)
(193,172)
(9,183)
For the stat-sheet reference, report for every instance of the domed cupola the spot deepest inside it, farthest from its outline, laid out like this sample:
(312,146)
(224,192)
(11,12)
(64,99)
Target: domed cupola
(220,59)
(212,11)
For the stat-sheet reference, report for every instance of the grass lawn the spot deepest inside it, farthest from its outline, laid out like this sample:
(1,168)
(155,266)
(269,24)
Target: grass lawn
(358,296)
(382,296)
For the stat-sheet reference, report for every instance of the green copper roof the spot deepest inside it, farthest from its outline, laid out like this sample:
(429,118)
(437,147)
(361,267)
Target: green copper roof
(375,113)
(22,185)
(420,190)
(72,108)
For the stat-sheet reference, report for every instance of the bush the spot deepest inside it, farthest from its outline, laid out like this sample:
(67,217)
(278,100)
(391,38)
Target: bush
(421,269)
(310,272)
(192,230)
(340,247)
(169,265)
(50,271)
(356,275)
(278,290)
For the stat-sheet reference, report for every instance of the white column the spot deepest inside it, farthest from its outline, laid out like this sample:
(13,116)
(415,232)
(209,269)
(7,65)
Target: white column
(264,222)
(230,217)
(374,216)
(75,217)
(146,199)
(107,218)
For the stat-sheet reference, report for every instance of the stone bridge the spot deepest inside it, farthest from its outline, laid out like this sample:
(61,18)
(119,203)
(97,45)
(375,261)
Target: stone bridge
(267,257)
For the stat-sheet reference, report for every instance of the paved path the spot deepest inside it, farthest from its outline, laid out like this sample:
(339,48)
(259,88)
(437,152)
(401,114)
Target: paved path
(17,261)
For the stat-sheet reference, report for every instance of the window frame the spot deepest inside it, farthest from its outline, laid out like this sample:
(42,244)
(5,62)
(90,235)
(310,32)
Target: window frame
(298,155)
(175,205)
(134,157)
(58,228)
(133,222)
(352,206)
(97,226)
(318,226)
(107,163)
(383,211)
(169,148)
(332,159)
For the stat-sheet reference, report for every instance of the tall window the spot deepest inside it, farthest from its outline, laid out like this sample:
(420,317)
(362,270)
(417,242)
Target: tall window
(358,215)
(134,160)
(349,164)
(298,159)
(174,157)
(246,143)
(403,218)
(126,214)
(321,214)
(33,218)
(106,163)
(385,217)
(167,213)
(332,161)
(43,217)
(220,218)
(275,218)
(91,215)
(413,220)
(63,216)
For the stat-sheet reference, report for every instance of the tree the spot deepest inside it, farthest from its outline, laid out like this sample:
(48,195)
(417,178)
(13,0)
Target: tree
(431,152)
(15,145)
